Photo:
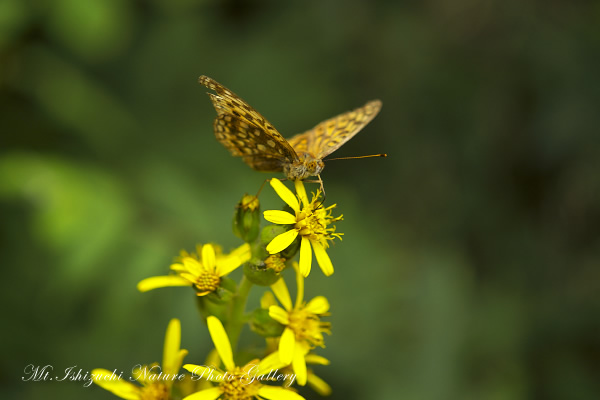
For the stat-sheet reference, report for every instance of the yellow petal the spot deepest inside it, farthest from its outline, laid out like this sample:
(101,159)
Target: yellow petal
(299,366)
(279,217)
(118,387)
(301,192)
(206,394)
(221,341)
(318,305)
(299,285)
(315,359)
(224,268)
(285,194)
(179,359)
(322,258)
(227,264)
(139,371)
(171,348)
(281,292)
(279,315)
(237,257)
(208,257)
(287,344)
(270,363)
(319,385)
(278,393)
(189,277)
(204,372)
(305,257)
(281,242)
(212,358)
(156,282)
(178,267)
(244,252)
(193,266)
(267,300)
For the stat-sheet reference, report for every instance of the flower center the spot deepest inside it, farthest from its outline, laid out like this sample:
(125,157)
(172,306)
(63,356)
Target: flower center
(154,391)
(311,224)
(313,220)
(308,327)
(207,282)
(239,386)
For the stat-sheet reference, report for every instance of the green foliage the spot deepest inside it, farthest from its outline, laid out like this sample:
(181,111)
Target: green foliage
(473,263)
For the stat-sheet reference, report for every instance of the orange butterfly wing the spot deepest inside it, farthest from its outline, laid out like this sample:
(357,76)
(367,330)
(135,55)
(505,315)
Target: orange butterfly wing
(246,133)
(330,135)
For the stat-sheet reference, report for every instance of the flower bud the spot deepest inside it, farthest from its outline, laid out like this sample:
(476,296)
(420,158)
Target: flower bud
(269,233)
(246,220)
(258,273)
(264,325)
(216,303)
(275,262)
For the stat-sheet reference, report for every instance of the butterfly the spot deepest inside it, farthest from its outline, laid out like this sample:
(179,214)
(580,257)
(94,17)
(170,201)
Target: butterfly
(247,134)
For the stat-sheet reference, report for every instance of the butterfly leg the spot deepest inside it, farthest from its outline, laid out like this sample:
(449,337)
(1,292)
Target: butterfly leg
(261,187)
(322,189)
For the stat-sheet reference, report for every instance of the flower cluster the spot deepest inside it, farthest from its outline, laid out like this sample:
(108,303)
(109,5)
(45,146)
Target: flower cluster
(292,330)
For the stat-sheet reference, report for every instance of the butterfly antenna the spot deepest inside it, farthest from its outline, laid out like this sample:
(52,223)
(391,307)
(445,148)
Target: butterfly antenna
(352,158)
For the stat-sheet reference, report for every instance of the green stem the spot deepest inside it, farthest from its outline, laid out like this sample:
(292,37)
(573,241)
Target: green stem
(237,320)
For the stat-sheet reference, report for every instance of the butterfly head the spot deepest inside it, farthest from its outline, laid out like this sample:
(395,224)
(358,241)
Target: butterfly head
(305,167)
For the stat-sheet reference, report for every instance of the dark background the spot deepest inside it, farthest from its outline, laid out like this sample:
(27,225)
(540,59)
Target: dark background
(470,263)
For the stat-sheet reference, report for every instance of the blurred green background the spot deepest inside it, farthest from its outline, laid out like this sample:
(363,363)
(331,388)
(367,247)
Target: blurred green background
(470,263)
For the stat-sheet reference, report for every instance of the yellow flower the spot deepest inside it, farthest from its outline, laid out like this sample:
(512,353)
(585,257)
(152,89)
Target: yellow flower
(238,383)
(303,327)
(152,388)
(203,273)
(310,221)
(314,381)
